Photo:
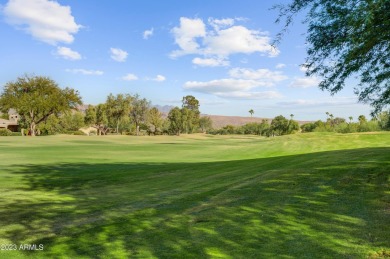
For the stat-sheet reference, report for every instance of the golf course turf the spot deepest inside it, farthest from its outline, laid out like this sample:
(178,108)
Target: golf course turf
(314,195)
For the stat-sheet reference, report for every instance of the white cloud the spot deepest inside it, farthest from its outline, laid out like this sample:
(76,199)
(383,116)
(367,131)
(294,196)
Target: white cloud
(266,76)
(130,77)
(251,95)
(280,65)
(159,78)
(118,54)
(85,72)
(186,34)
(45,20)
(67,53)
(221,85)
(238,39)
(148,33)
(220,41)
(231,89)
(241,84)
(304,82)
(210,62)
(220,23)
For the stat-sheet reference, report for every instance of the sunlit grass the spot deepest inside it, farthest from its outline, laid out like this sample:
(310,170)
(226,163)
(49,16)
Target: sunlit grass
(196,196)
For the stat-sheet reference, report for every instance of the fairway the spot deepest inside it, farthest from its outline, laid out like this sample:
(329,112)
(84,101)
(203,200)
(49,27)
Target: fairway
(314,195)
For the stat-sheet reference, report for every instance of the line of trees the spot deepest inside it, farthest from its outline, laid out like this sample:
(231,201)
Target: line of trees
(341,125)
(44,108)
(283,126)
(279,126)
(128,114)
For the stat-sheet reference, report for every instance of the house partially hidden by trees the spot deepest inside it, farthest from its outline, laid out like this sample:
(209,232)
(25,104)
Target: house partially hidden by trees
(10,124)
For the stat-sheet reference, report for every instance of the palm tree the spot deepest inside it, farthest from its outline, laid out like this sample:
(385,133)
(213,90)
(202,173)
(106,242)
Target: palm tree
(350,119)
(251,112)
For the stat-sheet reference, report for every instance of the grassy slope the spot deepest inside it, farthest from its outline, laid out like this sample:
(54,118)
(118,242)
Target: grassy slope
(301,196)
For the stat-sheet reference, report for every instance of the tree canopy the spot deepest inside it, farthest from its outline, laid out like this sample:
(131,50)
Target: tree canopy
(191,103)
(118,108)
(139,111)
(96,116)
(176,120)
(346,39)
(35,98)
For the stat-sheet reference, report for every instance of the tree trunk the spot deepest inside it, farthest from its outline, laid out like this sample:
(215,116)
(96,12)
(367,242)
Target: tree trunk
(137,129)
(32,129)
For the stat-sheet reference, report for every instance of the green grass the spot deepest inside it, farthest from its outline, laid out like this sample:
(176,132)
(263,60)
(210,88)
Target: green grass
(196,196)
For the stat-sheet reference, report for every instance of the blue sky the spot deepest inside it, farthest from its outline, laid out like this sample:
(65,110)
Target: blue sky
(218,51)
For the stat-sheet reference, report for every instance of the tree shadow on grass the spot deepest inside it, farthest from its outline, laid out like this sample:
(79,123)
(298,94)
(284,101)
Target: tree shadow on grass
(323,205)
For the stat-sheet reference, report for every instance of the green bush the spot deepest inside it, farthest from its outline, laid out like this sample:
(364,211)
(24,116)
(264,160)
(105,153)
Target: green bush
(16,133)
(5,132)
(369,126)
(308,127)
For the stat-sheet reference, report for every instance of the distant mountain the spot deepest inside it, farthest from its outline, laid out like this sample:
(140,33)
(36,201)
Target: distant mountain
(164,108)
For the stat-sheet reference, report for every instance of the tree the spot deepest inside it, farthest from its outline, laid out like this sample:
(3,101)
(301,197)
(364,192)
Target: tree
(279,125)
(96,116)
(265,127)
(205,124)
(383,119)
(308,127)
(118,108)
(52,125)
(251,111)
(191,103)
(155,120)
(362,119)
(73,121)
(139,111)
(35,98)
(293,126)
(175,121)
(346,38)
(191,113)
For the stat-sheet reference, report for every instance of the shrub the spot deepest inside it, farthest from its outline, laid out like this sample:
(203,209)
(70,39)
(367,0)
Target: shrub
(343,128)
(308,127)
(16,133)
(5,132)
(369,126)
